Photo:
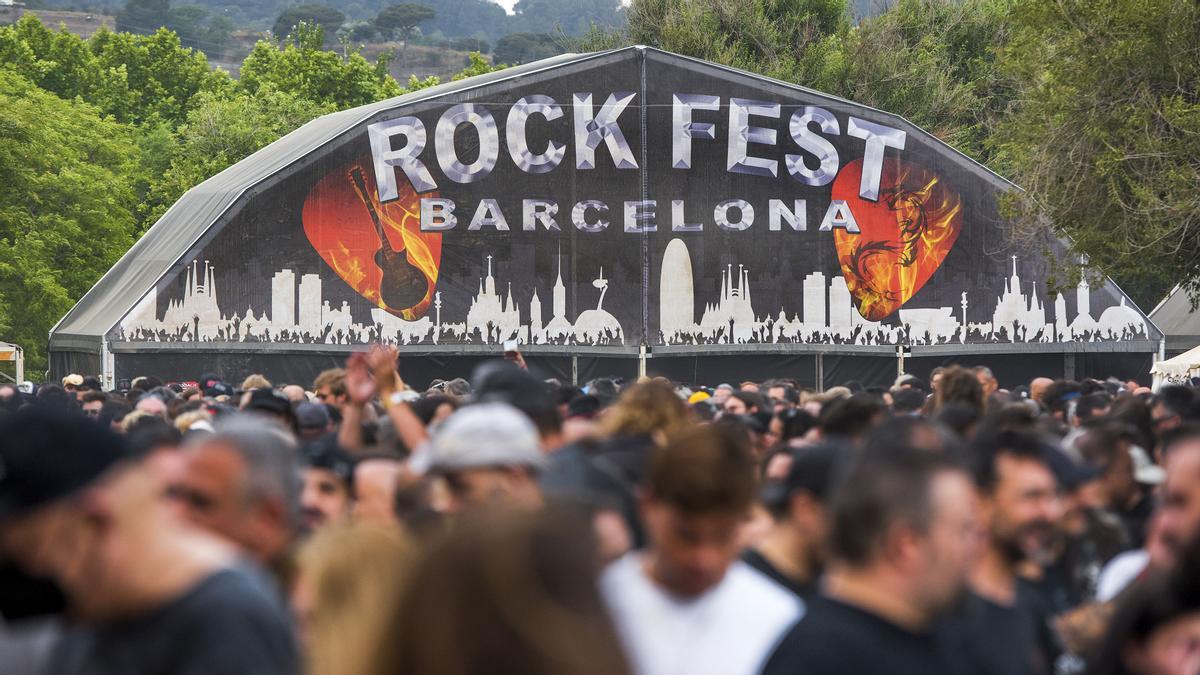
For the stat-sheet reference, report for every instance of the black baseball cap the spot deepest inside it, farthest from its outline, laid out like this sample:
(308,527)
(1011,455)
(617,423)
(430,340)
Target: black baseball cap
(813,470)
(1071,475)
(47,454)
(269,400)
(325,453)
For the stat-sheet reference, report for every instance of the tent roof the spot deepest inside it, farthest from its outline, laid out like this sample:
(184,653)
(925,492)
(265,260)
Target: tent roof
(1178,322)
(1179,366)
(182,226)
(200,209)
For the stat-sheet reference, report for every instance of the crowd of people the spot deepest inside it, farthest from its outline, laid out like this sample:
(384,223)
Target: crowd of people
(513,524)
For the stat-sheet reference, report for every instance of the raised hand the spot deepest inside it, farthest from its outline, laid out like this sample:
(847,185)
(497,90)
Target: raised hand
(360,384)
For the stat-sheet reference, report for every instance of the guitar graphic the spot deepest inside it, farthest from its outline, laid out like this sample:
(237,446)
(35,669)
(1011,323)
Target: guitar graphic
(402,284)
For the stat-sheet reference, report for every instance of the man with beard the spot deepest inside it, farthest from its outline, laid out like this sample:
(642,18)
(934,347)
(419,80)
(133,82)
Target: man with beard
(327,484)
(145,595)
(792,553)
(1004,626)
(903,538)
(1179,513)
(242,483)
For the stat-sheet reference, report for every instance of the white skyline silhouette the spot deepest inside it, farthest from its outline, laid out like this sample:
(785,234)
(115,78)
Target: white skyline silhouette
(299,313)
(732,319)
(306,318)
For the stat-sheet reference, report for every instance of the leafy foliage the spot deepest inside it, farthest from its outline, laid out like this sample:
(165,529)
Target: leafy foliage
(66,206)
(101,136)
(222,130)
(467,18)
(402,19)
(134,78)
(304,70)
(198,28)
(526,47)
(476,65)
(784,39)
(143,16)
(1105,134)
(568,17)
(327,18)
(930,61)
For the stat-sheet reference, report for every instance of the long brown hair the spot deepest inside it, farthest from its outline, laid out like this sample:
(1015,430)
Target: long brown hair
(647,409)
(959,385)
(508,593)
(353,577)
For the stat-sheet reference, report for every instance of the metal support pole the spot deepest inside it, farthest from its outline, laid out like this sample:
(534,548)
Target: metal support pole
(899,361)
(820,372)
(107,368)
(641,361)
(574,370)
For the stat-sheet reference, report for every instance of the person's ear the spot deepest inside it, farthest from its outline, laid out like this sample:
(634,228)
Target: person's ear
(903,546)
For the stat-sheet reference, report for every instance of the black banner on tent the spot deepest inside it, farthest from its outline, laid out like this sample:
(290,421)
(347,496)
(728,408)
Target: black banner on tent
(625,199)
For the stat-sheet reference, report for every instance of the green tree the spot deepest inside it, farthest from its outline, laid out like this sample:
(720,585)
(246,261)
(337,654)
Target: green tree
(306,71)
(200,29)
(471,18)
(570,17)
(784,39)
(1105,132)
(220,31)
(327,18)
(161,74)
(60,62)
(131,77)
(525,47)
(360,31)
(476,65)
(402,19)
(143,16)
(66,206)
(471,44)
(220,131)
(930,61)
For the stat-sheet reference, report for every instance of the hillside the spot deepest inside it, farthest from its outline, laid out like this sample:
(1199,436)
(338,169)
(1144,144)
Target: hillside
(418,60)
(82,24)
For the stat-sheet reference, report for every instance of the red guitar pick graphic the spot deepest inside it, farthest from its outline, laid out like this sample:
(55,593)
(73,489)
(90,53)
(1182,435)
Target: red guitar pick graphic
(338,222)
(903,238)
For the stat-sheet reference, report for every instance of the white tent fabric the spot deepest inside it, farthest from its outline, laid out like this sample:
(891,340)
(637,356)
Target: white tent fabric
(1177,369)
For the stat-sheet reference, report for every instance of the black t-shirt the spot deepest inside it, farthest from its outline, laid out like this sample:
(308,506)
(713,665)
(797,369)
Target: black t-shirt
(987,638)
(230,622)
(835,638)
(805,591)
(1135,519)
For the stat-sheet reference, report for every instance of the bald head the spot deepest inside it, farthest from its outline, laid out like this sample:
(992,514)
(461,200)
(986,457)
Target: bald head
(375,483)
(1038,387)
(295,393)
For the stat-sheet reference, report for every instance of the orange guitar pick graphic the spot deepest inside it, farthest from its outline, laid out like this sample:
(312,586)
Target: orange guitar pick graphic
(903,238)
(343,219)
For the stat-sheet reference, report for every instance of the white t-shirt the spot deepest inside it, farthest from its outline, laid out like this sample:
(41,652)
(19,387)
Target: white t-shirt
(729,630)
(1120,572)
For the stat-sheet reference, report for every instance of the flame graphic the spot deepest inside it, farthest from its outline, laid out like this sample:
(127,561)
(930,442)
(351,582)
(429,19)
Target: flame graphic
(338,224)
(903,239)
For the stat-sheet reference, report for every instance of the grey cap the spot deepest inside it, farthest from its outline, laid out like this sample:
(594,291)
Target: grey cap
(485,435)
(312,416)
